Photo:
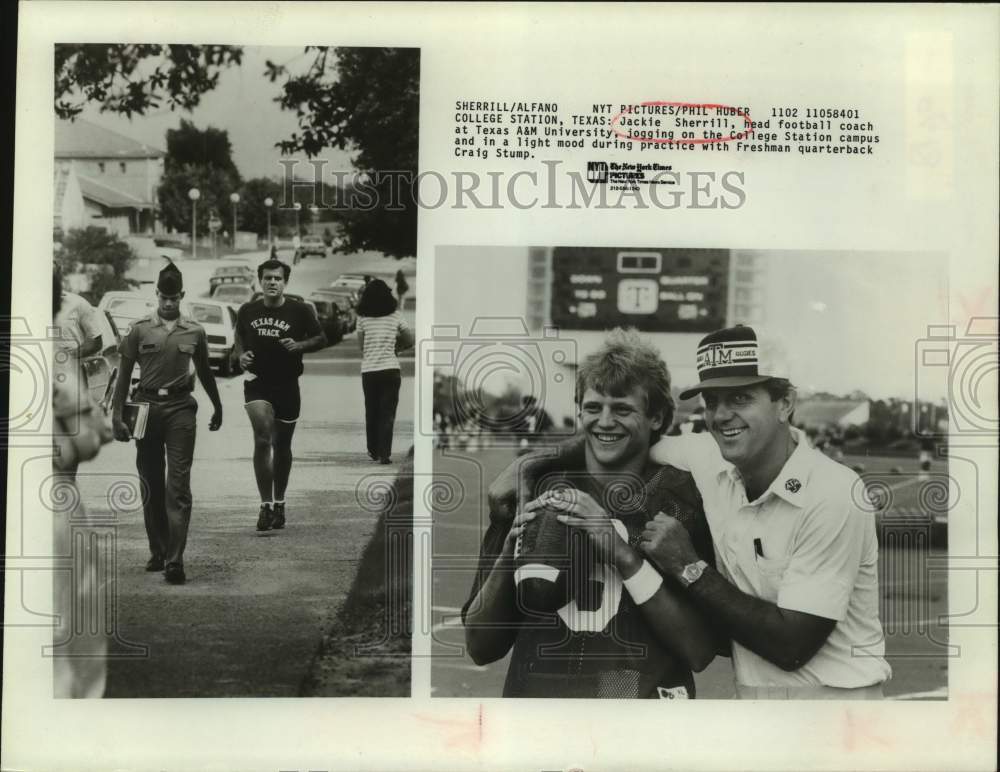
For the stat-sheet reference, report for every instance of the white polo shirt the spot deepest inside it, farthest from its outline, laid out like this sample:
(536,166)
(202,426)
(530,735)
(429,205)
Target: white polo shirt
(820,556)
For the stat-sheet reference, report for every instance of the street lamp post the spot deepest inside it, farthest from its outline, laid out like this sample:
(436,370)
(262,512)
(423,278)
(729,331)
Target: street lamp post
(268,202)
(235,198)
(298,207)
(194,194)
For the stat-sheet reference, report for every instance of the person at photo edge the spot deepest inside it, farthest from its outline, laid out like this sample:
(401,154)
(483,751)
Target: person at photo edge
(382,335)
(796,588)
(77,322)
(79,656)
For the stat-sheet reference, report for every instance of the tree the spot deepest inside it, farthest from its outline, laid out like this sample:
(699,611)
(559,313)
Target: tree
(365,99)
(199,159)
(253,211)
(103,256)
(373,105)
(190,146)
(112,76)
(175,205)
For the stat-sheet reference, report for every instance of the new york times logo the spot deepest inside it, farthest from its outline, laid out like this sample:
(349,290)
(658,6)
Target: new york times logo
(597,171)
(628,176)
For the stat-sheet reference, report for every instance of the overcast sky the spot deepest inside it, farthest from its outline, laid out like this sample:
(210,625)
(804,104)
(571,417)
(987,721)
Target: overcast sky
(847,320)
(242,104)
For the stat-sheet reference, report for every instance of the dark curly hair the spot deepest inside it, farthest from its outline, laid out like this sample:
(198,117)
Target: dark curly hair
(269,265)
(376,299)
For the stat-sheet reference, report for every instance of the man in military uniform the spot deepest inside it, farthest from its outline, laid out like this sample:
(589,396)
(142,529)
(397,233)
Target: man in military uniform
(166,345)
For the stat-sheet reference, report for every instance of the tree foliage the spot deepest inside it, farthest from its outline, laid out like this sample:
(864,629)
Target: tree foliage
(202,159)
(190,146)
(132,79)
(103,256)
(365,100)
(253,210)
(215,186)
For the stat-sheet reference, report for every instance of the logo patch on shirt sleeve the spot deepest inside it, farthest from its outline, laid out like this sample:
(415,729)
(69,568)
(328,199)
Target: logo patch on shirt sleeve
(674,693)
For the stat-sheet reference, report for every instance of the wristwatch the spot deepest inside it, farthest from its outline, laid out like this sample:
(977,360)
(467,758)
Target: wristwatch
(692,572)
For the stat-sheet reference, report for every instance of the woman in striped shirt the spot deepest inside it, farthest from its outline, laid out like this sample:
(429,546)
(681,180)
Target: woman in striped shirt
(382,334)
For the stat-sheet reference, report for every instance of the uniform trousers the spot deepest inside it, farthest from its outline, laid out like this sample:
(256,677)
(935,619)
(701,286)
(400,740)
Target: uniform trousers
(163,458)
(381,388)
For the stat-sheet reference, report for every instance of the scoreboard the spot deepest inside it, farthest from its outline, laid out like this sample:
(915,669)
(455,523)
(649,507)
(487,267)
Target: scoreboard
(654,290)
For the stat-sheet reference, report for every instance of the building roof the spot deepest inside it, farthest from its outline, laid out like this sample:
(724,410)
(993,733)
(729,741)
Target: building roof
(83,139)
(824,412)
(113,198)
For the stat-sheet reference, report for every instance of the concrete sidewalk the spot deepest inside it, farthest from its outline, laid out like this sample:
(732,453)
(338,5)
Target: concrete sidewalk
(253,612)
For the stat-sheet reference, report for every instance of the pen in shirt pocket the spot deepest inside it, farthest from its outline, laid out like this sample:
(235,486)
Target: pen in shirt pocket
(758,548)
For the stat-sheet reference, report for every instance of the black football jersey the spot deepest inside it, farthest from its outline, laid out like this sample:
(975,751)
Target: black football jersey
(598,644)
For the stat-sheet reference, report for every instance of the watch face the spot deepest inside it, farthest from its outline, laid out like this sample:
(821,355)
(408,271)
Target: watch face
(692,572)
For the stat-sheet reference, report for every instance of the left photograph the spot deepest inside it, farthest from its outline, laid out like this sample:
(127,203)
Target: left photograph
(233,330)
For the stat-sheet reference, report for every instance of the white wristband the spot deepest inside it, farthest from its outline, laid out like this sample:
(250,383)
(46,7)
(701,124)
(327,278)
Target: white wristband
(644,583)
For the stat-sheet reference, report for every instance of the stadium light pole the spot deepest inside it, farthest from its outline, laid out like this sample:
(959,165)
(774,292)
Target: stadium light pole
(194,194)
(235,198)
(268,202)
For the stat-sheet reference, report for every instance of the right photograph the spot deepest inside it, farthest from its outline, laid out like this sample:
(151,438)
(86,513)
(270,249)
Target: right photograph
(677,473)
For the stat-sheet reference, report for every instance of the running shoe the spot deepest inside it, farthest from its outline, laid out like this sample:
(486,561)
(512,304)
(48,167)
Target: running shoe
(278,517)
(264,518)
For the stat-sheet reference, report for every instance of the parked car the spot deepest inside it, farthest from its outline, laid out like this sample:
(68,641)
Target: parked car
(101,369)
(310,245)
(235,294)
(240,273)
(337,243)
(354,281)
(331,317)
(347,301)
(125,306)
(219,321)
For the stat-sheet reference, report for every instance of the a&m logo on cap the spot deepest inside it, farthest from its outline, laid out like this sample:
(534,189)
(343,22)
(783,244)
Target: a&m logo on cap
(732,357)
(720,355)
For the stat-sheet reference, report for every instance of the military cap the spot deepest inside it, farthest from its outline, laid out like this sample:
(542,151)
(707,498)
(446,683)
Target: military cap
(170,281)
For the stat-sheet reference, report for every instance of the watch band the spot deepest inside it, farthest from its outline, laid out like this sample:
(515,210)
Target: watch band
(692,572)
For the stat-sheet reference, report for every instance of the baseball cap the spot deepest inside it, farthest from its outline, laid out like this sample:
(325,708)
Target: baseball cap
(733,357)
